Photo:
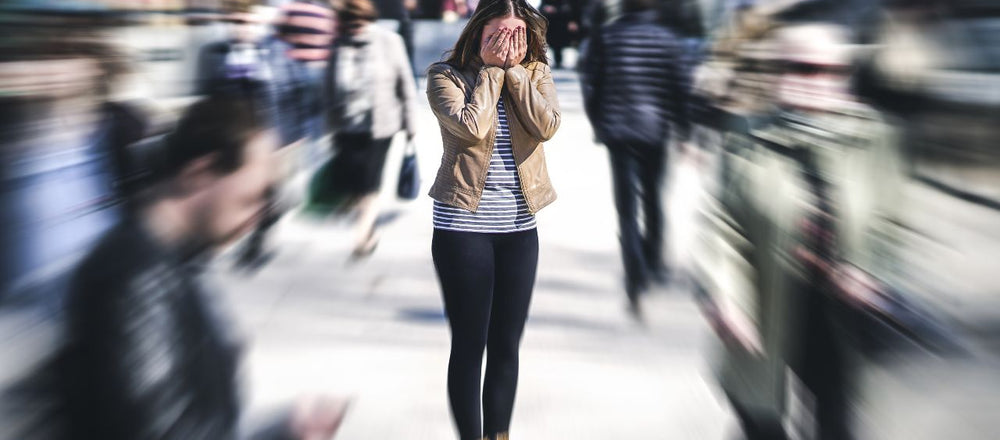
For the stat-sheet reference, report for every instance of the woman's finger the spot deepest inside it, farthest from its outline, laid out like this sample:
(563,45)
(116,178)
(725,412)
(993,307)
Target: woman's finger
(523,41)
(504,37)
(496,39)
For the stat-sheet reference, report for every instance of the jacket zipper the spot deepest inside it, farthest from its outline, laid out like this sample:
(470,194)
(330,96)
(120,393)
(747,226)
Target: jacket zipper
(517,164)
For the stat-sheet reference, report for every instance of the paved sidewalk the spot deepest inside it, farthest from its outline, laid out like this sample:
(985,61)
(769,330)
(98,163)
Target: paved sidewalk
(376,331)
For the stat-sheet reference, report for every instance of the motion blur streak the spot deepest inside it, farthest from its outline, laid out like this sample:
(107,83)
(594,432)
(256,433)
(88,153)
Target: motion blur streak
(808,222)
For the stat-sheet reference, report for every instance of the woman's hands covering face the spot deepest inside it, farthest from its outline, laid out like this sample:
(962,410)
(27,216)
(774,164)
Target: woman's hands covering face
(495,51)
(505,48)
(518,47)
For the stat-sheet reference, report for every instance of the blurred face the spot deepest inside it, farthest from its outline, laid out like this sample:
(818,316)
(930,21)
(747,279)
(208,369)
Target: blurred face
(815,86)
(816,71)
(244,27)
(231,204)
(499,23)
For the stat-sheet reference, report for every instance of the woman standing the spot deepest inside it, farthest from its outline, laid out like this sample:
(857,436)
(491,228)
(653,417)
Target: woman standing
(372,96)
(496,103)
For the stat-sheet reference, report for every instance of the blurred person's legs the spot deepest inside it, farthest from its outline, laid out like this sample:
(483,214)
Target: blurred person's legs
(368,208)
(516,258)
(756,427)
(557,56)
(406,31)
(486,281)
(652,170)
(364,160)
(254,252)
(822,369)
(625,170)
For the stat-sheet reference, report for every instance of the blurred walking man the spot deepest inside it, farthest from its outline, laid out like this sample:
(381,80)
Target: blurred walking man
(147,354)
(635,94)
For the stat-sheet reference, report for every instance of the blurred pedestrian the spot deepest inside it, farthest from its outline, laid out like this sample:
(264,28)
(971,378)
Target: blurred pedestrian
(564,26)
(291,61)
(372,97)
(786,206)
(237,64)
(149,354)
(495,101)
(928,268)
(635,95)
(63,139)
(399,11)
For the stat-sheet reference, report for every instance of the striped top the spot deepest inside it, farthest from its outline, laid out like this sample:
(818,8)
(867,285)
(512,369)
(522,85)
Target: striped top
(502,207)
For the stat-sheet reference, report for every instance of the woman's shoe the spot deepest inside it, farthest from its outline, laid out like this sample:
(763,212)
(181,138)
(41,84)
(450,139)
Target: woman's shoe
(500,436)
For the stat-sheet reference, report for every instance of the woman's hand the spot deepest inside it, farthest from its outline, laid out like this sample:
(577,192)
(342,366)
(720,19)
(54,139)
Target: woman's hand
(494,52)
(518,47)
(317,417)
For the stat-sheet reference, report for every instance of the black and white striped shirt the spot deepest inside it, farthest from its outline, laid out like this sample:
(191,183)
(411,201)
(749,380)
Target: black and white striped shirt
(502,207)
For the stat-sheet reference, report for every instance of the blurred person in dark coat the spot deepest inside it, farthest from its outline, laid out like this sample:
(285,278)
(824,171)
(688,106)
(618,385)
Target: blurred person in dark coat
(236,64)
(564,25)
(148,352)
(371,95)
(635,95)
(401,12)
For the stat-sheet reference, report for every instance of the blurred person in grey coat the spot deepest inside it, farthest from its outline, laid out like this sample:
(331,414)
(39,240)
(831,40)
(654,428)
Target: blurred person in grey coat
(787,204)
(930,291)
(371,96)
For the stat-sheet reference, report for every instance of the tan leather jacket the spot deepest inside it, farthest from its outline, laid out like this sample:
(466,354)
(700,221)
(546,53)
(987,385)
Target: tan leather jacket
(464,102)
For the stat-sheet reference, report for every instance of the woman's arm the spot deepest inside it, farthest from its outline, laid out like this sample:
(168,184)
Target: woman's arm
(470,120)
(536,106)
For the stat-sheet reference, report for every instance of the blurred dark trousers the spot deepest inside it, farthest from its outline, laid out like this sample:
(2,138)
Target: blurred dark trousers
(823,366)
(273,211)
(637,173)
(486,280)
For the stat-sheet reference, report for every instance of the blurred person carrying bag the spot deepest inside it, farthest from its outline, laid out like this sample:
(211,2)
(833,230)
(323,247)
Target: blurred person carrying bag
(371,96)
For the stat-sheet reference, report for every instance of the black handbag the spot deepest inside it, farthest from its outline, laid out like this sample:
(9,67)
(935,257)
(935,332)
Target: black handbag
(408,187)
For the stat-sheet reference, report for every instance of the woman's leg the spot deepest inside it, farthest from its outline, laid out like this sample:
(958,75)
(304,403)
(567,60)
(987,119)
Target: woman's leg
(367,234)
(465,267)
(516,262)
(368,204)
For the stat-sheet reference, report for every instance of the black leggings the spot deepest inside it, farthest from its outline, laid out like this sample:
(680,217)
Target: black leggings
(486,281)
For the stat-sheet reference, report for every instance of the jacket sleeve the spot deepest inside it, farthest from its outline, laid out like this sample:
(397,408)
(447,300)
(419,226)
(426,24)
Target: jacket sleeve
(536,106)
(592,75)
(468,119)
(406,88)
(681,89)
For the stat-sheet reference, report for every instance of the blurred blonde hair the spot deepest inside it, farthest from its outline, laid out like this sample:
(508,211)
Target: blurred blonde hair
(354,11)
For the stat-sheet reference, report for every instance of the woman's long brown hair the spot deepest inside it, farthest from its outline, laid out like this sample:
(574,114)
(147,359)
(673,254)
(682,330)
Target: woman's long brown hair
(466,50)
